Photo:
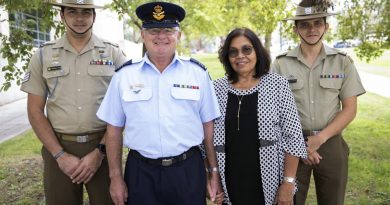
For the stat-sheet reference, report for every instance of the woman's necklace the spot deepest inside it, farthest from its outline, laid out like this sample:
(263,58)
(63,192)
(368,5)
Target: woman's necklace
(238,112)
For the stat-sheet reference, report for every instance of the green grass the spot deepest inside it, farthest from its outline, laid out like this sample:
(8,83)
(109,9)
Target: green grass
(368,137)
(212,63)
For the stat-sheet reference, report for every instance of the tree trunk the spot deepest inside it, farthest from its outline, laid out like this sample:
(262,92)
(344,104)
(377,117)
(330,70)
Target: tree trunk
(267,41)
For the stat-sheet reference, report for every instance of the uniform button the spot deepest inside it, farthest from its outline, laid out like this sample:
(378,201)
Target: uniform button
(79,108)
(312,101)
(78,73)
(79,90)
(312,118)
(101,71)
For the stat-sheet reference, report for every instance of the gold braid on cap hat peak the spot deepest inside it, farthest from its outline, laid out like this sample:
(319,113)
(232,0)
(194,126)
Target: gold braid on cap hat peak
(318,5)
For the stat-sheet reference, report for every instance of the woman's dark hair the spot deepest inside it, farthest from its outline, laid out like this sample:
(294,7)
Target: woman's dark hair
(263,58)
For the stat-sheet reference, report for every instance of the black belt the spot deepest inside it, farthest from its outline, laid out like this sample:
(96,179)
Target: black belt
(165,161)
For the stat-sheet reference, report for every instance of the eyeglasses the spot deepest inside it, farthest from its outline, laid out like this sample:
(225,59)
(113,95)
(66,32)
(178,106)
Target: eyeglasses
(246,50)
(165,31)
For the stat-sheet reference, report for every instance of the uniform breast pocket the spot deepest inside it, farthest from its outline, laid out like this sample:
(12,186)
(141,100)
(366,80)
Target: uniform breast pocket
(53,76)
(331,88)
(185,93)
(297,89)
(101,70)
(137,95)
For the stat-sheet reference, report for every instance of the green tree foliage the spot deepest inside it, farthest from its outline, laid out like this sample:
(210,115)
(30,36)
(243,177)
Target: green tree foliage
(368,21)
(18,45)
(216,18)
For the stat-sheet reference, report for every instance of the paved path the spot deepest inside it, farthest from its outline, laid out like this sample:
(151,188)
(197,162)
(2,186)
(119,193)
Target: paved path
(376,84)
(14,121)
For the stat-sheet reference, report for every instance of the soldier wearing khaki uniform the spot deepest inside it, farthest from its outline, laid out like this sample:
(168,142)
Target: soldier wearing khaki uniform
(70,77)
(325,84)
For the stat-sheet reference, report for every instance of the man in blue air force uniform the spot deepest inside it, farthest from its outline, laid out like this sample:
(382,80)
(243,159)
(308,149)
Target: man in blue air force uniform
(167,105)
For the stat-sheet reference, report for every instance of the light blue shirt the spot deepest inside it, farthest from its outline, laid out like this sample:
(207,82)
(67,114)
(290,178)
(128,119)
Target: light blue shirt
(163,113)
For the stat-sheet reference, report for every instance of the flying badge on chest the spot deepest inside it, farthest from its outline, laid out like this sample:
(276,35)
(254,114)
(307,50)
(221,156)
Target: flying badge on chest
(136,88)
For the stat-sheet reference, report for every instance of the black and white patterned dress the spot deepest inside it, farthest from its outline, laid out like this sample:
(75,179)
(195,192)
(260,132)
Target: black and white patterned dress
(279,129)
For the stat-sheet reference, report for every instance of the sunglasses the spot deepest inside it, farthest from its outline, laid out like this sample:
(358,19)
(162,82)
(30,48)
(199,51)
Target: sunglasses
(246,50)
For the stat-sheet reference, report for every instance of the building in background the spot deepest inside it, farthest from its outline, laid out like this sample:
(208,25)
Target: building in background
(107,26)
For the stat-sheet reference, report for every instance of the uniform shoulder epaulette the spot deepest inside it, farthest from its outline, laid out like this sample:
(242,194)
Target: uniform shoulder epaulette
(129,62)
(198,63)
(281,54)
(342,52)
(111,43)
(124,65)
(47,43)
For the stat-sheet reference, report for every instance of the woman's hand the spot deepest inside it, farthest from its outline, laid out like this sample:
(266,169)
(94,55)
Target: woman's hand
(285,194)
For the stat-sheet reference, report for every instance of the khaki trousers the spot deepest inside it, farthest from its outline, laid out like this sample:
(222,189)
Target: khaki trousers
(59,189)
(330,175)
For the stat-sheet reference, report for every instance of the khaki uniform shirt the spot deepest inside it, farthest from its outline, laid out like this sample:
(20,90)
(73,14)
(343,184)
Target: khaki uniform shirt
(318,91)
(73,83)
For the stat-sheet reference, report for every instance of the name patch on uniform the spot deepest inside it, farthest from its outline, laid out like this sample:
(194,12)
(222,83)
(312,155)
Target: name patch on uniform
(26,77)
(186,86)
(54,68)
(292,79)
(333,76)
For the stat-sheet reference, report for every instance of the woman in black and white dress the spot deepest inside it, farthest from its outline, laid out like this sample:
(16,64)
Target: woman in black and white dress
(258,138)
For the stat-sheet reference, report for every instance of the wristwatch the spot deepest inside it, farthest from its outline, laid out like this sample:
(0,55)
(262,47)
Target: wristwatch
(290,180)
(102,148)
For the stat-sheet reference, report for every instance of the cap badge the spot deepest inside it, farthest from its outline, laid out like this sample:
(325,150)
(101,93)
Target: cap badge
(308,10)
(158,12)
(80,1)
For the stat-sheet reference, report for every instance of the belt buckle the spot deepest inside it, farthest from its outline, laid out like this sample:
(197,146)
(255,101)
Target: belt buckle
(167,162)
(82,138)
(315,132)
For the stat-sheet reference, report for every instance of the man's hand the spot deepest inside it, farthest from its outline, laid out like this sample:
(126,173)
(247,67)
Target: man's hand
(214,188)
(118,191)
(68,163)
(285,194)
(314,143)
(312,158)
(87,168)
